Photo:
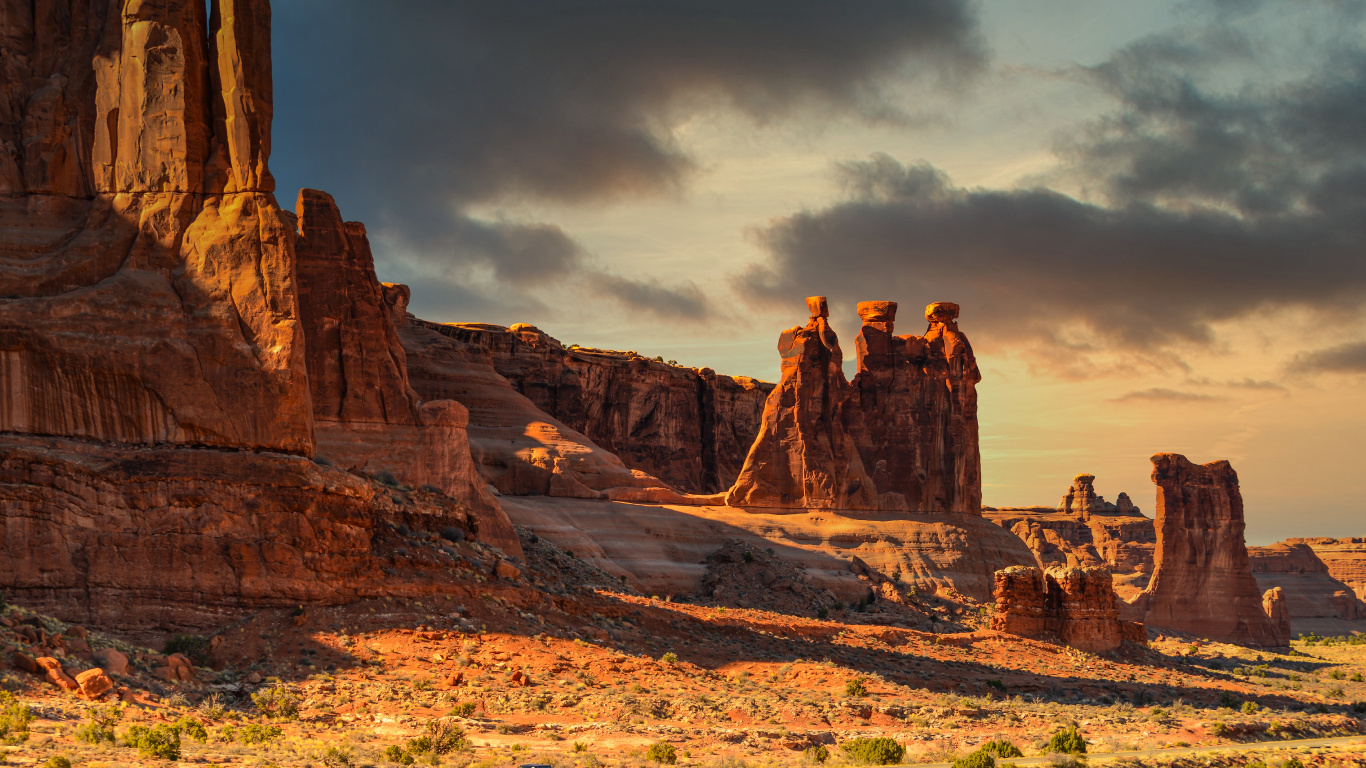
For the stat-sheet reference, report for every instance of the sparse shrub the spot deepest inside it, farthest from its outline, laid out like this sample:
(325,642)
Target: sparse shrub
(446,737)
(1001,748)
(822,613)
(277,703)
(395,754)
(997,684)
(662,752)
(465,709)
(57,761)
(422,684)
(1219,730)
(252,733)
(419,745)
(1357,678)
(669,658)
(1337,674)
(856,687)
(161,742)
(1293,762)
(1335,692)
(816,754)
(749,556)
(191,727)
(879,751)
(978,759)
(1227,699)
(193,647)
(1251,708)
(212,707)
(100,727)
(456,535)
(15,717)
(1068,741)
(337,757)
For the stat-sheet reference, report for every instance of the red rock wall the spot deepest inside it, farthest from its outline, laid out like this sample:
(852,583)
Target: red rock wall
(1344,557)
(1309,590)
(1073,606)
(690,428)
(1202,581)
(901,438)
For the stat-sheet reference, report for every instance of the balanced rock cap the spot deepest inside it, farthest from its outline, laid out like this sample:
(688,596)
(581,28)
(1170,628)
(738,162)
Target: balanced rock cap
(817,306)
(941,312)
(877,311)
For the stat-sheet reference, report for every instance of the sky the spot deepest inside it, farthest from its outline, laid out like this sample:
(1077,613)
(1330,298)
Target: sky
(1153,214)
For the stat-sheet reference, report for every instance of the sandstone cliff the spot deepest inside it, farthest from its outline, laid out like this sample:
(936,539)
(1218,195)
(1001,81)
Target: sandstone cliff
(688,427)
(1345,558)
(1309,590)
(901,438)
(1073,606)
(1202,581)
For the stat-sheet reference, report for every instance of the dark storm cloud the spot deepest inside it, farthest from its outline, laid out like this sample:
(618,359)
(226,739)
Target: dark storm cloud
(1210,205)
(415,113)
(684,302)
(1343,358)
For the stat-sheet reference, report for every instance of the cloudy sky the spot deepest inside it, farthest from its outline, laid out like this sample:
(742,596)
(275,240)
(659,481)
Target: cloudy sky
(1153,213)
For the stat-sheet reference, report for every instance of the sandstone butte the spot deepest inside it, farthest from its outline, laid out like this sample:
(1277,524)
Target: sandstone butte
(154,339)
(1202,581)
(1075,606)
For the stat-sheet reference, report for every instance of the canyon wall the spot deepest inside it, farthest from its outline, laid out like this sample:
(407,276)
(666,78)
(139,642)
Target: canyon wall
(688,427)
(1074,606)
(1202,581)
(902,437)
(1344,557)
(1310,591)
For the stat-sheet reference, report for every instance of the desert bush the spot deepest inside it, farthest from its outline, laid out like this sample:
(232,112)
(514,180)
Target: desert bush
(161,742)
(1337,674)
(662,752)
(1068,741)
(879,751)
(252,733)
(579,746)
(1227,699)
(816,754)
(978,759)
(337,757)
(1293,762)
(997,684)
(191,727)
(276,702)
(395,754)
(856,687)
(669,658)
(15,717)
(212,707)
(1251,707)
(100,725)
(1001,748)
(57,761)
(1219,730)
(446,737)
(463,710)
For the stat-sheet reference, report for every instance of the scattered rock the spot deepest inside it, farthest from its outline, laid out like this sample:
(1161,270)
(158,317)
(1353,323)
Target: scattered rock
(94,683)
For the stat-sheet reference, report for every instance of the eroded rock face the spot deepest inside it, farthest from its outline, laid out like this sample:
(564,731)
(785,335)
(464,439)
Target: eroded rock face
(1074,606)
(902,437)
(1081,500)
(689,428)
(1309,590)
(1275,608)
(1345,558)
(1202,582)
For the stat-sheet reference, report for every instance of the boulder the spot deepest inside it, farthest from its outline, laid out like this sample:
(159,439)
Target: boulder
(25,662)
(1202,581)
(112,660)
(55,674)
(1274,605)
(94,683)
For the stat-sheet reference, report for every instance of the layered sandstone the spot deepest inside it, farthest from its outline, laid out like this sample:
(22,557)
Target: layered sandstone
(1345,558)
(1081,500)
(1074,606)
(901,438)
(1202,580)
(366,415)
(189,538)
(688,427)
(1310,591)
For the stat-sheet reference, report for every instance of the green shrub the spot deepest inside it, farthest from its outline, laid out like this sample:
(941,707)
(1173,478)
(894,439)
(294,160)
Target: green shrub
(1001,748)
(1219,730)
(276,702)
(997,684)
(445,737)
(1251,707)
(1337,674)
(191,727)
(57,761)
(253,733)
(1068,741)
(419,745)
(161,742)
(1293,762)
(978,759)
(337,757)
(14,719)
(816,754)
(856,687)
(669,658)
(879,751)
(463,710)
(579,746)
(395,754)
(192,647)
(662,752)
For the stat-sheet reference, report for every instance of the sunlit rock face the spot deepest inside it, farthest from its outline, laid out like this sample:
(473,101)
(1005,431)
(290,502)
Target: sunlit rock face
(902,437)
(1202,581)
(1074,606)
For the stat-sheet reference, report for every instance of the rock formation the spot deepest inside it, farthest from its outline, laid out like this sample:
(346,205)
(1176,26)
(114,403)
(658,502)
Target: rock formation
(1081,500)
(688,427)
(901,438)
(1310,591)
(152,313)
(1074,606)
(1202,581)
(1345,558)
(1274,606)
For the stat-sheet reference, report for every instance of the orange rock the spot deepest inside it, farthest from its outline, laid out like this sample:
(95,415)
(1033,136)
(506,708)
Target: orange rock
(55,674)
(1073,606)
(1202,582)
(505,570)
(1273,604)
(25,662)
(453,680)
(1310,591)
(94,683)
(113,661)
